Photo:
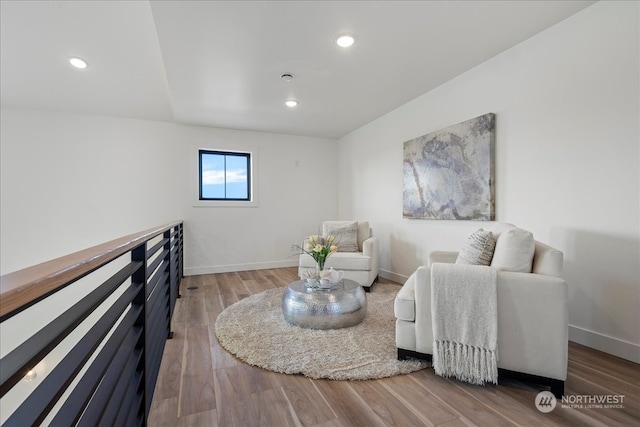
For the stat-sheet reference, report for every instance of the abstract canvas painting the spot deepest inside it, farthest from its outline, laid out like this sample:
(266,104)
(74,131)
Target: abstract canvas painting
(449,174)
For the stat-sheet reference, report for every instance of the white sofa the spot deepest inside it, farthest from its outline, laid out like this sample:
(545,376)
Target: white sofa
(360,266)
(532,318)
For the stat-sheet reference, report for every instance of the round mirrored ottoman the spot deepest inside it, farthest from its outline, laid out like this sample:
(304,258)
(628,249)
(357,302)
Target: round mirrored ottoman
(341,306)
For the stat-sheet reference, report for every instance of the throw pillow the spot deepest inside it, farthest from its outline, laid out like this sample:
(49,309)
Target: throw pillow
(514,251)
(346,235)
(478,249)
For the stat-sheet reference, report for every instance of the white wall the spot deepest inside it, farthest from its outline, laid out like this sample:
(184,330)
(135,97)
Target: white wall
(297,189)
(567,164)
(73,181)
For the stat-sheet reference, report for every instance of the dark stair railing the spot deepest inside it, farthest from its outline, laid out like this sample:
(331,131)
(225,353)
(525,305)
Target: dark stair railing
(108,376)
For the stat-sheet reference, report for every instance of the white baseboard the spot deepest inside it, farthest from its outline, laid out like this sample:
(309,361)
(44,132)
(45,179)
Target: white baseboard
(615,346)
(195,271)
(390,275)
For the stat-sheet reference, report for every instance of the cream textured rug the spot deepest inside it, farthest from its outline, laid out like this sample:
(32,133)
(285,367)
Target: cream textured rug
(254,330)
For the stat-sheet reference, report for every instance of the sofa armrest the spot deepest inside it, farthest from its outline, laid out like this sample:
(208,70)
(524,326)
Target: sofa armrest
(370,248)
(423,323)
(547,260)
(533,317)
(532,322)
(443,256)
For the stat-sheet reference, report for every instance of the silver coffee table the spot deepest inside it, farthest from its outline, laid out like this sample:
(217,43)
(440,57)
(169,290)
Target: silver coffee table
(341,306)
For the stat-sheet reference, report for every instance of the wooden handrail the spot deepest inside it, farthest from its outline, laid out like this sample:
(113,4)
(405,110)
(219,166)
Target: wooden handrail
(23,288)
(109,371)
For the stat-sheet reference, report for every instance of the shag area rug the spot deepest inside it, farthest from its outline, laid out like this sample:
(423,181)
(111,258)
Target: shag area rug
(254,330)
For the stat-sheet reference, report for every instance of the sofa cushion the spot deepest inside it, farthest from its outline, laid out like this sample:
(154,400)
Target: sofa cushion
(346,234)
(514,251)
(349,261)
(478,249)
(404,306)
(340,261)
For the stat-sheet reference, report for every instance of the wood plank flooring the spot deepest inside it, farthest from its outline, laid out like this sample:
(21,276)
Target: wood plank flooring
(200,384)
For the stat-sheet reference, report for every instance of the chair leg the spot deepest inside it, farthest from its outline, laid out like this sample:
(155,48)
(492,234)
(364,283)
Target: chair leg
(405,354)
(556,386)
(368,288)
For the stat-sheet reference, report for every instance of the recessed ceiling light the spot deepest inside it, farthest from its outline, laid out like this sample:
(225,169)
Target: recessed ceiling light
(291,103)
(78,63)
(287,77)
(345,40)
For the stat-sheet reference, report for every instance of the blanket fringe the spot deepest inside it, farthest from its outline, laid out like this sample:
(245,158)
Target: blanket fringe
(474,365)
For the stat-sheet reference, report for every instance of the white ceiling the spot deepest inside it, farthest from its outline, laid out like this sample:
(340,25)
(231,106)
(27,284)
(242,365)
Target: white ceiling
(218,63)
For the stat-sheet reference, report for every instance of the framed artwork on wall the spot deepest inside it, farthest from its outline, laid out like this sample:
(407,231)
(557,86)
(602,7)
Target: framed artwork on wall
(449,174)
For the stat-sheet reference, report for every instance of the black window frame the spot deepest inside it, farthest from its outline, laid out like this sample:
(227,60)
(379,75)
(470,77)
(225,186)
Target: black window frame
(246,155)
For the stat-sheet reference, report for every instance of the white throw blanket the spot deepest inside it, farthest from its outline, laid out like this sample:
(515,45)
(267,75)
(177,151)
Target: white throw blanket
(464,309)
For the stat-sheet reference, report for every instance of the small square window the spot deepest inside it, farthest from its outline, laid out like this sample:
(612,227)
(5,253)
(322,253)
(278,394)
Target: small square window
(225,175)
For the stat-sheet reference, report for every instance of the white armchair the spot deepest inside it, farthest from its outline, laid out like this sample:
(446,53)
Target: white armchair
(532,318)
(360,265)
